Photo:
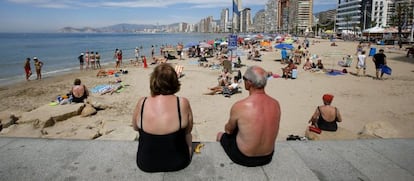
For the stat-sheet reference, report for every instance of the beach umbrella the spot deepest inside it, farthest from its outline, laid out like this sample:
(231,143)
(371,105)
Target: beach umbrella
(284,46)
(265,44)
(288,41)
(191,44)
(224,43)
(204,45)
(211,42)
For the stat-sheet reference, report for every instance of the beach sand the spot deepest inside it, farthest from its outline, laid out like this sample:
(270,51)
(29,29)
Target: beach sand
(387,105)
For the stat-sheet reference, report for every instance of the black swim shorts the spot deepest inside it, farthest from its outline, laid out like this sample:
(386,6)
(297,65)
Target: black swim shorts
(229,144)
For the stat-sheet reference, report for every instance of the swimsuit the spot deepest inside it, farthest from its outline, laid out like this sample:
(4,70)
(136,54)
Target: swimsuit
(79,99)
(228,141)
(325,125)
(162,153)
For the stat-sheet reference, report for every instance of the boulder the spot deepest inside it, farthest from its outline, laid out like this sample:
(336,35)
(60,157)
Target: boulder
(378,129)
(120,133)
(73,133)
(7,119)
(88,110)
(48,115)
(25,130)
(340,134)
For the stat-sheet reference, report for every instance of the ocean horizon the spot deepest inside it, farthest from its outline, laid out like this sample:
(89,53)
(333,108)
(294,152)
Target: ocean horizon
(59,51)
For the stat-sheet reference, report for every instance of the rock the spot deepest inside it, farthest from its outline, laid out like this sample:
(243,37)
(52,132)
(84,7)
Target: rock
(74,133)
(88,110)
(7,119)
(47,115)
(121,133)
(24,130)
(378,129)
(340,134)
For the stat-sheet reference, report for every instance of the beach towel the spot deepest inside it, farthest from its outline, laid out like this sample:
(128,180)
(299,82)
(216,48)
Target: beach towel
(334,73)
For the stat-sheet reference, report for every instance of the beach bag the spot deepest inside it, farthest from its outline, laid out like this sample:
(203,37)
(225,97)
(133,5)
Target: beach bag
(386,70)
(294,73)
(314,129)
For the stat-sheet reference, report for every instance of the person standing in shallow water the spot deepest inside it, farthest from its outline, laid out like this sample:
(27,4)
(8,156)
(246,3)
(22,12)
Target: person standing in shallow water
(38,65)
(27,69)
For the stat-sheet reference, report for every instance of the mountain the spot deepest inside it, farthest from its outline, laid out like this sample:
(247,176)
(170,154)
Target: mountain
(119,28)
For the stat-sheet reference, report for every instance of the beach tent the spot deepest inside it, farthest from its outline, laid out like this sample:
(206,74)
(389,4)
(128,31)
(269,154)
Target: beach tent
(374,30)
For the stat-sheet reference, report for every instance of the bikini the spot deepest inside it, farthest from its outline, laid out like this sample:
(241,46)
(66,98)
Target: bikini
(325,125)
(228,141)
(162,153)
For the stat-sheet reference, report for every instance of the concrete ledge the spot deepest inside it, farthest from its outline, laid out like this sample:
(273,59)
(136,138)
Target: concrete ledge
(47,159)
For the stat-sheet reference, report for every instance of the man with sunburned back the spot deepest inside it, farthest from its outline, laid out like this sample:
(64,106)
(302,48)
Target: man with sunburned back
(79,92)
(251,131)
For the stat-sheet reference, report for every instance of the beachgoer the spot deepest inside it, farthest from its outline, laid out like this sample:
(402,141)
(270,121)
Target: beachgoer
(287,71)
(92,60)
(79,92)
(137,55)
(27,69)
(152,50)
(119,57)
(38,65)
(359,48)
(180,50)
(379,60)
(81,61)
(307,65)
(326,116)
(220,89)
(319,65)
(251,131)
(361,62)
(98,60)
(164,122)
(87,60)
(224,77)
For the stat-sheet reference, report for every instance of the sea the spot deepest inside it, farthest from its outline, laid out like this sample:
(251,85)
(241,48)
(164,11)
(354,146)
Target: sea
(59,51)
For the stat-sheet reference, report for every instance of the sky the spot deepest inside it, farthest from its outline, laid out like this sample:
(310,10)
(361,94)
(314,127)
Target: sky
(51,15)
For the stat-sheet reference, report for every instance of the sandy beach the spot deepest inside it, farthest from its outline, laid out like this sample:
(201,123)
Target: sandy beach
(386,105)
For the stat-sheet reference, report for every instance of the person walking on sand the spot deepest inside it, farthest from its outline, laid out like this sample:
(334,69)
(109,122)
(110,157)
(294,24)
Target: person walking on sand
(27,69)
(38,65)
(379,60)
(251,131)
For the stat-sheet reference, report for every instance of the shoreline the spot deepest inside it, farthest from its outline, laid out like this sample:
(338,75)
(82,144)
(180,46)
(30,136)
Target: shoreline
(385,105)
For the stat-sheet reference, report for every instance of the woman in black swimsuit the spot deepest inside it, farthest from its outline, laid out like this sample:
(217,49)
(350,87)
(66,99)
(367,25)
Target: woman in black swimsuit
(164,122)
(326,116)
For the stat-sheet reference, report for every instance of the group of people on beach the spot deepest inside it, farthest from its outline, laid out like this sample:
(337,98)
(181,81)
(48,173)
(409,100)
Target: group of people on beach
(165,142)
(38,67)
(92,59)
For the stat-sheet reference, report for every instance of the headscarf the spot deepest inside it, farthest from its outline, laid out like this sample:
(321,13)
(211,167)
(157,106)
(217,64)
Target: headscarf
(327,98)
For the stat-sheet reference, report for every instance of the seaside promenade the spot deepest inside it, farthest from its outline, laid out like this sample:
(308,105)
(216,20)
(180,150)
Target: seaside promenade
(55,159)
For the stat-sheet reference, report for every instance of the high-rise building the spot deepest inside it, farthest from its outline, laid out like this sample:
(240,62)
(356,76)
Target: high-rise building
(245,20)
(350,15)
(304,16)
(224,20)
(237,7)
(271,16)
(259,21)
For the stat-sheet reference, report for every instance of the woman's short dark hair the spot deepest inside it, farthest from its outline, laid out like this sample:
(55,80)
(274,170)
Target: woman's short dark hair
(77,82)
(164,80)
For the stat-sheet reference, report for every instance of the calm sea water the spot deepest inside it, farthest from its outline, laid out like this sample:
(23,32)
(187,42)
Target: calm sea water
(59,51)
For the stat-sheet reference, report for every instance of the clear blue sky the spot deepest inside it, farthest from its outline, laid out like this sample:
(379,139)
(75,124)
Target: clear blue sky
(51,15)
